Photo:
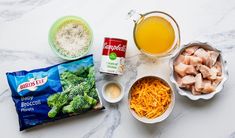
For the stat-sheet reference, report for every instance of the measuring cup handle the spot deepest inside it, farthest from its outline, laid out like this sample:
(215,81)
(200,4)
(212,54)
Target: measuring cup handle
(132,14)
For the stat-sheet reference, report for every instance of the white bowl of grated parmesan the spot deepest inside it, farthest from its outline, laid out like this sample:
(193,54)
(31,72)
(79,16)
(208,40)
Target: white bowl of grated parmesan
(70,37)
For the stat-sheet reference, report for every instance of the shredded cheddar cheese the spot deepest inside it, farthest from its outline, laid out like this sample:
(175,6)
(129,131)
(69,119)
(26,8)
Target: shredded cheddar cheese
(150,97)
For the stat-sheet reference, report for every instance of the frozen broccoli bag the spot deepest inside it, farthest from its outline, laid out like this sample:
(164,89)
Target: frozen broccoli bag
(47,94)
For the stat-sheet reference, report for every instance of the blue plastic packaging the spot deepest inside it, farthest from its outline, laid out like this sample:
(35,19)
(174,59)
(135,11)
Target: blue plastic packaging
(56,92)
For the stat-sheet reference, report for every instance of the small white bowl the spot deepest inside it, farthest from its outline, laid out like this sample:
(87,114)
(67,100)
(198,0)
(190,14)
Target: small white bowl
(159,118)
(188,93)
(108,99)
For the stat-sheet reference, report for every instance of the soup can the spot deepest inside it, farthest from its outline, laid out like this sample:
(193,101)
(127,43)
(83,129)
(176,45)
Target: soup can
(113,56)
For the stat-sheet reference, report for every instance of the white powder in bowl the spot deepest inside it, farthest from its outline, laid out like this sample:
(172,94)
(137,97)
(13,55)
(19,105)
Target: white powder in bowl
(72,39)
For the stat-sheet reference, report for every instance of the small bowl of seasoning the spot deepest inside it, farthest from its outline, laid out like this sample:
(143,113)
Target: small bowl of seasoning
(112,92)
(70,37)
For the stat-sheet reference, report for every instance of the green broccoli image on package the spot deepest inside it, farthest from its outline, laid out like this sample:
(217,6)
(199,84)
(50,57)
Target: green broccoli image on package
(79,92)
(56,92)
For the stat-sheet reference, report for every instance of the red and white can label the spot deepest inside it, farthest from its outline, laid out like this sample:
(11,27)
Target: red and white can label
(113,56)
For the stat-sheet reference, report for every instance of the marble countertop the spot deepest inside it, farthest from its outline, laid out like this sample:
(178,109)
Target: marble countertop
(24,26)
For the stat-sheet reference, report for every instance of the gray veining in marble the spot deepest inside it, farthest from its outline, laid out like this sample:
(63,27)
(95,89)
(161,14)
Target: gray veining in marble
(13,55)
(223,40)
(13,9)
(225,14)
(112,118)
(111,122)
(4,94)
(232,135)
(113,114)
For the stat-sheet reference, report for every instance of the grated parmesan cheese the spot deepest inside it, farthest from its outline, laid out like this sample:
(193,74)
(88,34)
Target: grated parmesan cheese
(72,39)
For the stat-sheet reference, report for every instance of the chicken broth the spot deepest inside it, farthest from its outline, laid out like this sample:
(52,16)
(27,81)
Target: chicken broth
(154,35)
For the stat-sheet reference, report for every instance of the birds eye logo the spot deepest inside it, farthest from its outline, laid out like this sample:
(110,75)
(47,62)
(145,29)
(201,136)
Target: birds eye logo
(32,84)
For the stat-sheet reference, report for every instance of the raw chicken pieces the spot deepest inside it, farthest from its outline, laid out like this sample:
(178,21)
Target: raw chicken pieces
(190,50)
(212,59)
(204,70)
(201,53)
(198,82)
(198,70)
(195,60)
(183,69)
(188,79)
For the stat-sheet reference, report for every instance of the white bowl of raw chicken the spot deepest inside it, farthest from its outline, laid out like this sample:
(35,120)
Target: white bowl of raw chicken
(198,71)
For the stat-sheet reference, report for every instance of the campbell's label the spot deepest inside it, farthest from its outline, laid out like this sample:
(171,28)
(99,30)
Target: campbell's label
(32,84)
(113,56)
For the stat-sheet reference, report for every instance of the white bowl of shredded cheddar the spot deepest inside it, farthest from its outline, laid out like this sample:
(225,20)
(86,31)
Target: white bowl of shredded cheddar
(151,99)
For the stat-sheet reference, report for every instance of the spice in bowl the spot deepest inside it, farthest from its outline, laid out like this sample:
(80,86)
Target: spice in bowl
(113,92)
(70,37)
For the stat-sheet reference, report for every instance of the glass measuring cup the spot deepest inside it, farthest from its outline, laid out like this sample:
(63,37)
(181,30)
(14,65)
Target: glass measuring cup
(156,33)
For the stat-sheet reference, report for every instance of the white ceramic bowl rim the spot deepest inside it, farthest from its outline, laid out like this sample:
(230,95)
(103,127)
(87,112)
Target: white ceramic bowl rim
(188,93)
